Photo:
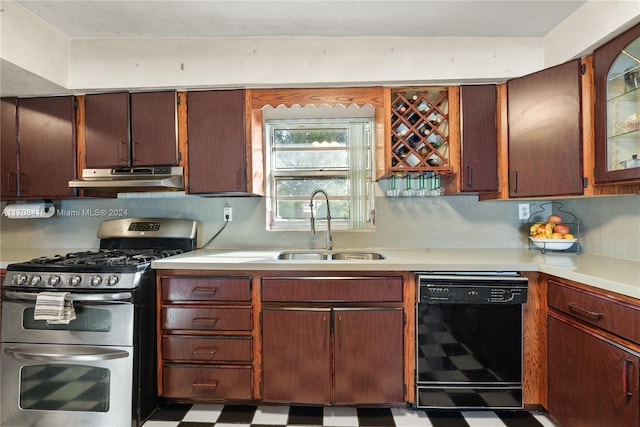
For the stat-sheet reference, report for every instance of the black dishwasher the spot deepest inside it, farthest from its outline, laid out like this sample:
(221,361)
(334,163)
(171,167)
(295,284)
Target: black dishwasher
(469,340)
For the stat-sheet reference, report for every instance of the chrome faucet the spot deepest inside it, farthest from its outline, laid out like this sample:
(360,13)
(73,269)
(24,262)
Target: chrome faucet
(313,220)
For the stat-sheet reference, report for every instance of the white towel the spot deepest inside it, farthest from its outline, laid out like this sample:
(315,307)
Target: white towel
(54,307)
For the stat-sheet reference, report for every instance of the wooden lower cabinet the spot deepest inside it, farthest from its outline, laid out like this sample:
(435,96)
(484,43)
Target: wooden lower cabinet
(592,381)
(299,346)
(332,348)
(205,338)
(207,382)
(296,351)
(367,355)
(304,338)
(594,372)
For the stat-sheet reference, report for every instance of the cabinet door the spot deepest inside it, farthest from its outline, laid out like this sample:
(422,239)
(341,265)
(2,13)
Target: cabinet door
(545,132)
(592,383)
(368,354)
(154,123)
(107,129)
(216,139)
(46,131)
(479,150)
(296,347)
(9,150)
(616,68)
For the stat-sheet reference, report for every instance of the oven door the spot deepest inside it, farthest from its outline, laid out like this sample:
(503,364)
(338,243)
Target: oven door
(101,319)
(46,385)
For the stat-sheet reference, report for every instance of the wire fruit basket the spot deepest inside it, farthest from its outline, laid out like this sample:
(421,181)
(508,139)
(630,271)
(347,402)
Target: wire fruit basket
(557,232)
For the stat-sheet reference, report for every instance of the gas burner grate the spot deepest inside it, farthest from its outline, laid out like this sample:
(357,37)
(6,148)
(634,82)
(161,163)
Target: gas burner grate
(107,257)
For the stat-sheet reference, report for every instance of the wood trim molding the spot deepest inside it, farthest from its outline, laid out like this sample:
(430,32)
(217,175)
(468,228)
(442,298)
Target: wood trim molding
(183,135)
(503,147)
(588,131)
(321,96)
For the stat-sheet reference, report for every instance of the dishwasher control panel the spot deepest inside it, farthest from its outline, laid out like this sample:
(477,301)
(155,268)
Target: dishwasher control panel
(472,289)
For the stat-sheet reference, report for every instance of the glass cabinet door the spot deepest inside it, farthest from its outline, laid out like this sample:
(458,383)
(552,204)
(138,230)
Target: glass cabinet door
(623,110)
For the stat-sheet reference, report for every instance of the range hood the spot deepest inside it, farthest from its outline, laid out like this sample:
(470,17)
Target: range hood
(124,179)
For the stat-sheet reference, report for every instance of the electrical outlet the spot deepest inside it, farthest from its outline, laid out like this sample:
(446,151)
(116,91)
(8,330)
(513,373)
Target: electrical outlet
(523,211)
(228,214)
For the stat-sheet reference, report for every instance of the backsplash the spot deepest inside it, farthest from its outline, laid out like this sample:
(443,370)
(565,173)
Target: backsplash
(609,226)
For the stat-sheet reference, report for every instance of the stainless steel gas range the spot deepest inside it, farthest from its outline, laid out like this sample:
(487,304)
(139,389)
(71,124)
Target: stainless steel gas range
(78,330)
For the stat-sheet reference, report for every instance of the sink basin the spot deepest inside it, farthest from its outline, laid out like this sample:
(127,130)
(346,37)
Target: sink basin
(328,256)
(305,256)
(357,256)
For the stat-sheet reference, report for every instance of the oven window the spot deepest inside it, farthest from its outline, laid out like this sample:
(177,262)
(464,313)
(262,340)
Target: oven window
(88,319)
(64,387)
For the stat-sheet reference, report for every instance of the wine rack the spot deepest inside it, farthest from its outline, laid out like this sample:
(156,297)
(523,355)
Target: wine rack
(420,130)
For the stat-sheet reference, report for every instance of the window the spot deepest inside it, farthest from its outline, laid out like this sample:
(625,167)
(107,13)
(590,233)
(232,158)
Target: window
(331,154)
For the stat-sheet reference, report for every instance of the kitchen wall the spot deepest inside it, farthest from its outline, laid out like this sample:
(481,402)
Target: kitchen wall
(609,226)
(91,64)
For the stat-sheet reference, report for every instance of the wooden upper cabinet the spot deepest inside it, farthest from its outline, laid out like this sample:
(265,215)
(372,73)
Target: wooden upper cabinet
(479,136)
(154,128)
(107,129)
(616,68)
(8,149)
(47,159)
(138,129)
(545,131)
(216,141)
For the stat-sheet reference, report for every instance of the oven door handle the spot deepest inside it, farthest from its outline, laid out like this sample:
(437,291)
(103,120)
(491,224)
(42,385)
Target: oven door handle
(31,296)
(60,353)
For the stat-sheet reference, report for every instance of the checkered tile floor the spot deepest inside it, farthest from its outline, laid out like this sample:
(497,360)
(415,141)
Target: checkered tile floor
(200,415)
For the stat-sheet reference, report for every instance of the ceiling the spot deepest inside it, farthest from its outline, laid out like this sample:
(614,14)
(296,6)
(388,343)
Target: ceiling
(367,18)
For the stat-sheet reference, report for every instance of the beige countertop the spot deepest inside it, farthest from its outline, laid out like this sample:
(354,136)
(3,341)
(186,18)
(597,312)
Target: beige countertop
(612,274)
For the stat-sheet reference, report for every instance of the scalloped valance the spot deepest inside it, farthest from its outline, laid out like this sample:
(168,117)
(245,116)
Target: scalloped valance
(331,97)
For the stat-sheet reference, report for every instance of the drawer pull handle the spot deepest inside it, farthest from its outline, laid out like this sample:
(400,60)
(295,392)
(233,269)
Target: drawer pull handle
(200,289)
(625,378)
(122,151)
(207,320)
(210,385)
(583,312)
(204,352)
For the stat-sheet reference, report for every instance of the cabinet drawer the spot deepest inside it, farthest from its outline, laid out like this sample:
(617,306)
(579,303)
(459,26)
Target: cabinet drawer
(206,289)
(215,349)
(617,317)
(189,381)
(334,289)
(208,318)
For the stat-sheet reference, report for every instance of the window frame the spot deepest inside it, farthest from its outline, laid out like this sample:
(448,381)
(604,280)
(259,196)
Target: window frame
(359,173)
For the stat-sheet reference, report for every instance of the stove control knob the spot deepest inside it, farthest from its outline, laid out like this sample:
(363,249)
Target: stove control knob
(54,280)
(112,280)
(75,281)
(20,279)
(95,281)
(35,280)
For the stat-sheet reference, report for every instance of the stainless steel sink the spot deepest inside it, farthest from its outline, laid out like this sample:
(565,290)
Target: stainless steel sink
(356,256)
(305,256)
(328,256)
